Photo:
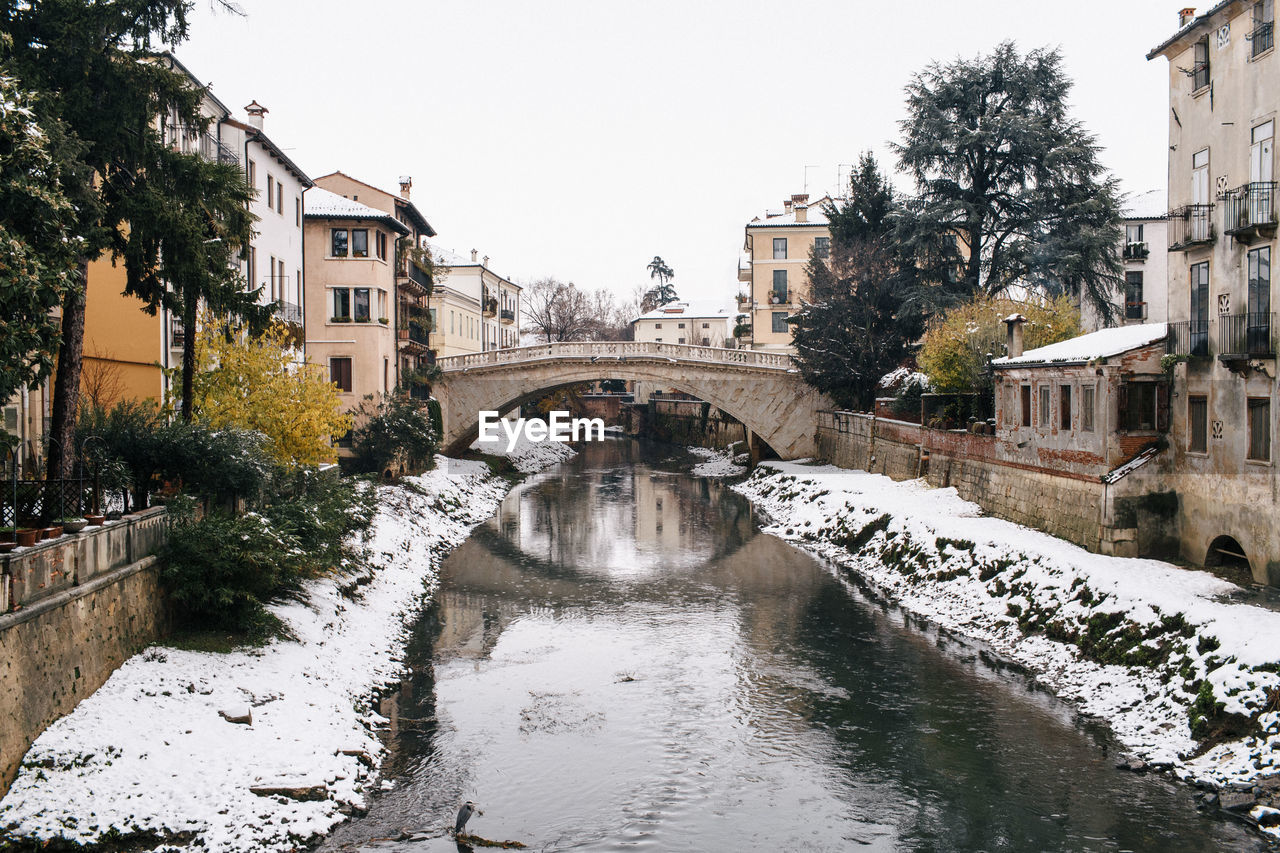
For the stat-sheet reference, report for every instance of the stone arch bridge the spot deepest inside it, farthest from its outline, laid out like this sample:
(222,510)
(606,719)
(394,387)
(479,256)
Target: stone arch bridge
(762,390)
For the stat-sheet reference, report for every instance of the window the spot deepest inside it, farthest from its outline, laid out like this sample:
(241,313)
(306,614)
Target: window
(1200,70)
(1198,424)
(271,274)
(297,211)
(1086,408)
(1064,407)
(1134,307)
(1044,407)
(657,325)
(822,247)
(252,272)
(680,340)
(252,175)
(340,373)
(1138,406)
(1263,35)
(680,325)
(779,248)
(1259,282)
(1259,429)
(271,192)
(381,241)
(1026,405)
(359,242)
(780,321)
(1199,325)
(1133,233)
(341,303)
(281,280)
(279,198)
(338,242)
(779,287)
(362,303)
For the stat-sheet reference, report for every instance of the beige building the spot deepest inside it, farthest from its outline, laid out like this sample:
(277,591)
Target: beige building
(772,268)
(350,300)
(704,325)
(410,317)
(1224,92)
(1144,295)
(473,307)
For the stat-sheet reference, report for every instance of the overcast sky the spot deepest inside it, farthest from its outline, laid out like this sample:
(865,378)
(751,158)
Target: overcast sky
(579,139)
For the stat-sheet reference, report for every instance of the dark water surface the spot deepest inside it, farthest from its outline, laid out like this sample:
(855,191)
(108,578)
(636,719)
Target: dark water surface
(620,661)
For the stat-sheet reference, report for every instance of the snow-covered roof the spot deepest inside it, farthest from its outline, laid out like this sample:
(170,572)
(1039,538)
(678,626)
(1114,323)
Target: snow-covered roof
(1100,344)
(686,310)
(450,258)
(321,203)
(1145,205)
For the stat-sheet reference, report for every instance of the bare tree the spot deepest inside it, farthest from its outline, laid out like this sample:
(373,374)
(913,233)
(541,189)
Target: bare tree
(564,312)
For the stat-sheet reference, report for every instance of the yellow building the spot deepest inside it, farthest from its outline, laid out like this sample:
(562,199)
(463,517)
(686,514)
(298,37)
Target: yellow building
(775,253)
(474,308)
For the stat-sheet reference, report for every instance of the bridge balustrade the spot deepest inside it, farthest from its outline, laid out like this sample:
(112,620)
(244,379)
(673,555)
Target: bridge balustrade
(620,350)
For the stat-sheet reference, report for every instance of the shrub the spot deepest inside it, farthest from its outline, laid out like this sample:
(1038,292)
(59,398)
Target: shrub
(393,428)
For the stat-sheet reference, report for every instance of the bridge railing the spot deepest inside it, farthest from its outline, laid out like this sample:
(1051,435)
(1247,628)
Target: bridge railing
(608,350)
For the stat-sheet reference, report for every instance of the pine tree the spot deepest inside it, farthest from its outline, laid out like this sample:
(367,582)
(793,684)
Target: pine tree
(1009,190)
(664,292)
(858,325)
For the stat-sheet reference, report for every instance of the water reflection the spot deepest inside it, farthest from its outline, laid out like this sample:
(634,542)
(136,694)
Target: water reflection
(619,660)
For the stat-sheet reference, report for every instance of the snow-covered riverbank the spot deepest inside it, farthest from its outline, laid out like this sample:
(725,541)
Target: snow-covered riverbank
(152,754)
(1130,641)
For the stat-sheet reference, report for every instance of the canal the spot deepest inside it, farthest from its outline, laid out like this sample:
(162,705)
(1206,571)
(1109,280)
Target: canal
(620,660)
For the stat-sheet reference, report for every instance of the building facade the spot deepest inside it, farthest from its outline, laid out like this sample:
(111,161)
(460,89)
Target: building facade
(685,323)
(474,308)
(1143,297)
(1224,92)
(776,251)
(350,265)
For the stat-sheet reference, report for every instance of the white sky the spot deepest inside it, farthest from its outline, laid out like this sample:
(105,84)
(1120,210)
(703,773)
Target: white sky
(579,139)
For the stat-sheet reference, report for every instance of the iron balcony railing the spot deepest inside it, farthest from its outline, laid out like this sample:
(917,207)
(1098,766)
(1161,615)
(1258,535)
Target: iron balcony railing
(1262,37)
(1136,251)
(1199,76)
(1246,335)
(1135,310)
(419,333)
(1193,225)
(289,312)
(1249,207)
(177,335)
(1188,338)
(410,271)
(508,315)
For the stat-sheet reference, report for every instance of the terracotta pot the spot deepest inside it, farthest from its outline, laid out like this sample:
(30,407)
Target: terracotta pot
(53,531)
(28,536)
(75,526)
(95,520)
(6,547)
(7,536)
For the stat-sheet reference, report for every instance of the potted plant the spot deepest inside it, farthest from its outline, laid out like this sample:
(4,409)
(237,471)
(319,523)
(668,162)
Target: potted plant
(27,536)
(73,524)
(94,520)
(384,320)
(343,319)
(7,534)
(53,531)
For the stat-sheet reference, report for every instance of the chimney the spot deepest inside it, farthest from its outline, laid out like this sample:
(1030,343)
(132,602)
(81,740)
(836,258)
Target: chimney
(256,111)
(786,206)
(486,260)
(799,198)
(1185,16)
(1013,342)
(802,212)
(406,183)
(474,253)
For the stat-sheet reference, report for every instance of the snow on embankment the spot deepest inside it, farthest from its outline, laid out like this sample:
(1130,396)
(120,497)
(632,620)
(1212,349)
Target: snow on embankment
(527,456)
(1131,641)
(715,463)
(151,755)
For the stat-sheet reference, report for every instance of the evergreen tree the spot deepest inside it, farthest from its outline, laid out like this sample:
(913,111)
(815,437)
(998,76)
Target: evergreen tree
(664,292)
(37,251)
(92,68)
(1009,188)
(858,326)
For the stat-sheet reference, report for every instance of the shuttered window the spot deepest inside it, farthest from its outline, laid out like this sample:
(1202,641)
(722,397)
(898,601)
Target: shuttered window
(340,373)
(1260,429)
(1198,424)
(1086,409)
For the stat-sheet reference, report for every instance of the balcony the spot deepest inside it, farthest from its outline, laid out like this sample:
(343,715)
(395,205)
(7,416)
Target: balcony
(413,279)
(1244,336)
(1187,338)
(177,335)
(1250,212)
(508,316)
(1136,251)
(1191,226)
(1135,310)
(1262,38)
(489,306)
(779,297)
(289,312)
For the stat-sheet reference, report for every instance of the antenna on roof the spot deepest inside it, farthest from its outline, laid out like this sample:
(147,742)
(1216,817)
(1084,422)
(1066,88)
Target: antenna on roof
(806,176)
(842,182)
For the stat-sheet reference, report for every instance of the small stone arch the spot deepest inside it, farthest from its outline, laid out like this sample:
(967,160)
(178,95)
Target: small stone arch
(1226,557)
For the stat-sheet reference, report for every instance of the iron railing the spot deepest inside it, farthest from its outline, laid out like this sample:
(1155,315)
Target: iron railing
(1262,37)
(1136,251)
(1249,206)
(410,271)
(1246,335)
(1188,338)
(1195,228)
(41,502)
(289,312)
(508,315)
(177,334)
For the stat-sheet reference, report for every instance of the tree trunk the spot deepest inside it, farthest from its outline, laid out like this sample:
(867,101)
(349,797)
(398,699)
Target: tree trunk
(189,301)
(66,384)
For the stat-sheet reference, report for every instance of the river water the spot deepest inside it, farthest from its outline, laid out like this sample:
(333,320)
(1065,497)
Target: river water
(619,660)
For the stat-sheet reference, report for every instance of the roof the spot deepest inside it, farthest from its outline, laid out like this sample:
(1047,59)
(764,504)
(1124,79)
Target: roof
(1194,23)
(1100,344)
(773,219)
(689,310)
(322,204)
(402,203)
(1151,204)
(452,259)
(274,150)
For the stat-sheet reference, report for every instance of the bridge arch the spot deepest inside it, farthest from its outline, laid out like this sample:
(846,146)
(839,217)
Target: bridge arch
(762,390)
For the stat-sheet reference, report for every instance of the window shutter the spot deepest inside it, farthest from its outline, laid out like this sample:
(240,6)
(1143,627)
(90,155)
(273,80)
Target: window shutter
(1162,406)
(1122,407)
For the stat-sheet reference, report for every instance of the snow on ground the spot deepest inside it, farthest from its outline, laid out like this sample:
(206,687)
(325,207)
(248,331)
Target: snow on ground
(1128,640)
(715,463)
(150,754)
(527,456)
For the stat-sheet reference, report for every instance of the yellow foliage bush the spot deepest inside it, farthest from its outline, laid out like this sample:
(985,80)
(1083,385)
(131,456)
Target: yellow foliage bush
(955,348)
(259,383)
